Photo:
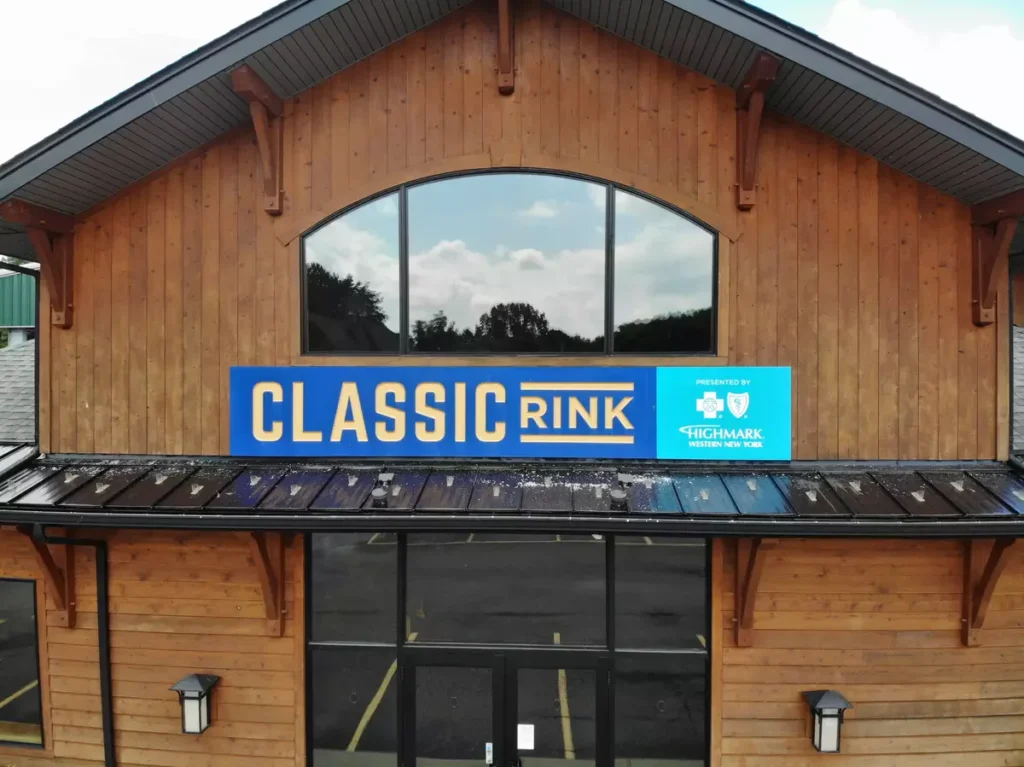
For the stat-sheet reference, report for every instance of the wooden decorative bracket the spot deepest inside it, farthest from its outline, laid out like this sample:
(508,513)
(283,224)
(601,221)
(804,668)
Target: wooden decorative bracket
(268,553)
(506,48)
(979,587)
(52,237)
(264,107)
(990,249)
(750,555)
(58,574)
(749,110)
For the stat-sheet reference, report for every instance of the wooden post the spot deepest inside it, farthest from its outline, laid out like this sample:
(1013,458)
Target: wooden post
(264,106)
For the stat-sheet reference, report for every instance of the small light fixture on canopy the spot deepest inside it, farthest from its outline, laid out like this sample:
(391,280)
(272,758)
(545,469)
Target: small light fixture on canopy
(194,696)
(827,708)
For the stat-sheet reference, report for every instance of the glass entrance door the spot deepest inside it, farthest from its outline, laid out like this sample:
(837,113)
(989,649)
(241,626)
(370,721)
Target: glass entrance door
(507,708)
(556,703)
(453,706)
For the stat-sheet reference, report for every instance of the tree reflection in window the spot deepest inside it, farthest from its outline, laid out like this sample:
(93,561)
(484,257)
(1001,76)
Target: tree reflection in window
(507,263)
(663,279)
(352,290)
(511,263)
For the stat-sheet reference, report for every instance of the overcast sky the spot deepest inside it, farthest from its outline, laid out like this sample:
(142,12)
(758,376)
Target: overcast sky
(64,57)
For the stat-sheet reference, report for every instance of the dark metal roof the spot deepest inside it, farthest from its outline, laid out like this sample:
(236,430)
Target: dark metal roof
(799,500)
(302,42)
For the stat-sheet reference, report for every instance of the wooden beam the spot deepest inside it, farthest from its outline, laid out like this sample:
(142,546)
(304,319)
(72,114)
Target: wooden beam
(989,252)
(267,551)
(59,576)
(265,108)
(750,556)
(56,261)
(29,215)
(749,111)
(253,88)
(980,586)
(506,48)
(989,212)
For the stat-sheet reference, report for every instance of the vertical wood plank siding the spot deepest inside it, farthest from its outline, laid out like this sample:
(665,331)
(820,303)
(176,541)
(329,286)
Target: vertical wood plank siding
(852,274)
(179,603)
(880,622)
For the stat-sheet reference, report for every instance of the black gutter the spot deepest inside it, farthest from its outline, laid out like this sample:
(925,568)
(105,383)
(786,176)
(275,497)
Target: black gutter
(103,631)
(677,524)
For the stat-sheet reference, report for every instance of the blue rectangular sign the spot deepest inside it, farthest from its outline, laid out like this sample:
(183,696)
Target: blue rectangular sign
(693,413)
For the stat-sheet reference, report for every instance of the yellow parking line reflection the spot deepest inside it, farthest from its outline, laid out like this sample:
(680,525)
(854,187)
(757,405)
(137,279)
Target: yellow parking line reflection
(13,697)
(563,705)
(375,702)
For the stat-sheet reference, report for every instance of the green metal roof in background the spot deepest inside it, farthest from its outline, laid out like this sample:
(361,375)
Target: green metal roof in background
(17,301)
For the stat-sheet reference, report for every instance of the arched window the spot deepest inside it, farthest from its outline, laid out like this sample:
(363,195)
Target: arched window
(510,263)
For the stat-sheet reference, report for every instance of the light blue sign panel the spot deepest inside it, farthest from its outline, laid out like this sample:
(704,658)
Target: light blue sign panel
(724,414)
(585,412)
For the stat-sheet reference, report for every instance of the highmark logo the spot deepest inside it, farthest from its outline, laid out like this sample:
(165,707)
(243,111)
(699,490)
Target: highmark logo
(708,435)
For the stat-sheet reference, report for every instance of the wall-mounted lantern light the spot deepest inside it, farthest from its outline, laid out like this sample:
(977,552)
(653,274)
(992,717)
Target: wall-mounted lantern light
(827,708)
(194,696)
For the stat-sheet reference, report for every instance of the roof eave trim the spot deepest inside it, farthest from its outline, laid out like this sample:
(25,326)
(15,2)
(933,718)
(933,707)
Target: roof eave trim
(873,82)
(169,82)
(733,527)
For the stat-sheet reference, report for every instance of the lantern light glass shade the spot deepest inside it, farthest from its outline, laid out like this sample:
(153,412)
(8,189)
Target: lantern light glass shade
(194,696)
(827,709)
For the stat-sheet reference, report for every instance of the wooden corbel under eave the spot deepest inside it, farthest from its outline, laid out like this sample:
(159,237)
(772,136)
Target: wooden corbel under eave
(749,110)
(750,556)
(58,574)
(52,237)
(267,551)
(506,48)
(990,251)
(265,107)
(980,583)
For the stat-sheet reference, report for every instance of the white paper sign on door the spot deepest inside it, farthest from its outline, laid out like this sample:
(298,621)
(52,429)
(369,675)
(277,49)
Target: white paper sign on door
(524,737)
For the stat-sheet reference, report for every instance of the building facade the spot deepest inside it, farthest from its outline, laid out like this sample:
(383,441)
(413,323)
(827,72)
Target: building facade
(391,596)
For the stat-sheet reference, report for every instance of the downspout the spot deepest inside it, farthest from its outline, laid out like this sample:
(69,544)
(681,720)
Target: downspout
(103,632)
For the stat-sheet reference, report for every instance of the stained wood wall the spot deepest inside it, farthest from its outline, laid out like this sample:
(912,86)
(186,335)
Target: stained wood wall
(878,621)
(179,604)
(854,275)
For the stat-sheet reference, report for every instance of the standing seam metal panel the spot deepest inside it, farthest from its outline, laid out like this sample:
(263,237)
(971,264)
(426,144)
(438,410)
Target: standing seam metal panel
(17,301)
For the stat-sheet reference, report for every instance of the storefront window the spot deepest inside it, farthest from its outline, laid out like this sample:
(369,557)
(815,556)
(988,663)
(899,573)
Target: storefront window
(510,263)
(492,588)
(660,593)
(449,646)
(354,585)
(21,717)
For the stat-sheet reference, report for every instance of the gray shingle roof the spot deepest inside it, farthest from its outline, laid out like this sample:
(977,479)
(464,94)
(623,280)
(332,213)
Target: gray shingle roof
(17,393)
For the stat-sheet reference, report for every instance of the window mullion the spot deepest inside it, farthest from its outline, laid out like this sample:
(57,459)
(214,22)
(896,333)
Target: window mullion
(609,270)
(403,270)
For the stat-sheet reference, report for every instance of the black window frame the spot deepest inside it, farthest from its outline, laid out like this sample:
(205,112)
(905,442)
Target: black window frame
(38,616)
(602,656)
(611,187)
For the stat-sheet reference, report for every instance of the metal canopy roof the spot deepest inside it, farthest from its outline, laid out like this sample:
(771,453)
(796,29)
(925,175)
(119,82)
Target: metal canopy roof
(858,500)
(302,42)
